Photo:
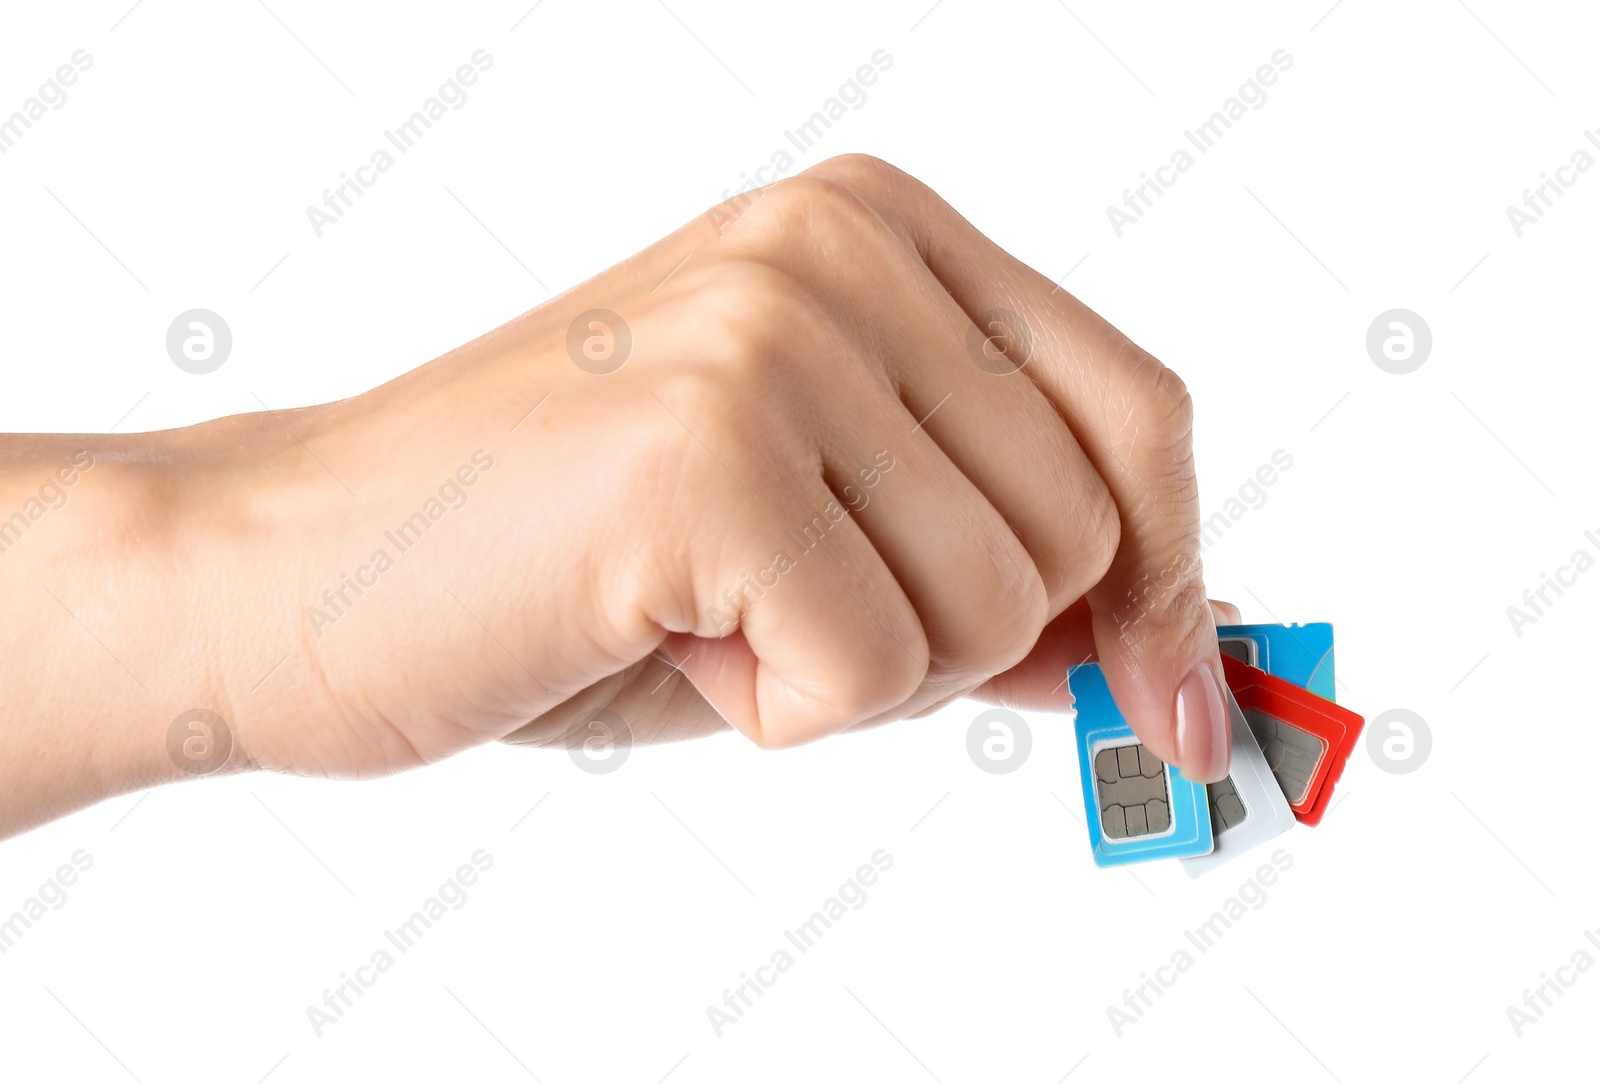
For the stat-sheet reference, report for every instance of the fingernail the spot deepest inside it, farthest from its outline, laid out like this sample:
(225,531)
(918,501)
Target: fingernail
(1203,737)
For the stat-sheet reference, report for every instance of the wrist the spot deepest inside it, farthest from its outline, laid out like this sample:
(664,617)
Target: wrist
(103,647)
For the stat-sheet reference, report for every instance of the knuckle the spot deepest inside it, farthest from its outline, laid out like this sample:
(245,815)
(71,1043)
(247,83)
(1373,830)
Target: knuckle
(1100,540)
(698,400)
(1170,599)
(886,686)
(1073,560)
(979,647)
(817,209)
(1161,424)
(1029,613)
(746,315)
(1186,619)
(1161,404)
(751,293)
(734,379)
(872,685)
(863,171)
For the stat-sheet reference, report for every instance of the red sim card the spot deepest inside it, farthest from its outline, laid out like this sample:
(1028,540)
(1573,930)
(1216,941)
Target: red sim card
(1306,739)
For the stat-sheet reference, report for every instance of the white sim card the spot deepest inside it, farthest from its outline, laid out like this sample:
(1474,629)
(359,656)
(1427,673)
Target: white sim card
(1248,807)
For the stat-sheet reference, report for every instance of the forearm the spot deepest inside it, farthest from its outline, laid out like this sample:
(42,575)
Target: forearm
(186,602)
(96,658)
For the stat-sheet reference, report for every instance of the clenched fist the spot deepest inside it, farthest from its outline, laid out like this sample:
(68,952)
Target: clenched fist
(824,457)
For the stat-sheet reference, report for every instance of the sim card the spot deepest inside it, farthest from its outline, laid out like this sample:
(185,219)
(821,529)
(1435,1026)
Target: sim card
(1248,807)
(1299,654)
(1138,808)
(1305,738)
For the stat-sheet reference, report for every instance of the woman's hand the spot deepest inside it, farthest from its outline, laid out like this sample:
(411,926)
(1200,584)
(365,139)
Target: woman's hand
(824,457)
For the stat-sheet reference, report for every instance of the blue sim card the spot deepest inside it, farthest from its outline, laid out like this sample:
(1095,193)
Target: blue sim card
(1138,808)
(1299,654)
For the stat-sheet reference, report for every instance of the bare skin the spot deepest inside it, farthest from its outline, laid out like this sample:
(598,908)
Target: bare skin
(814,496)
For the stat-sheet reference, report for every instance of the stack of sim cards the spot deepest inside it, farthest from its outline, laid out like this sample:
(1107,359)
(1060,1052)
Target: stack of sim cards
(1290,744)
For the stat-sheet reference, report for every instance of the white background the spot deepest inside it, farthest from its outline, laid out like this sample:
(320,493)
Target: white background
(1417,510)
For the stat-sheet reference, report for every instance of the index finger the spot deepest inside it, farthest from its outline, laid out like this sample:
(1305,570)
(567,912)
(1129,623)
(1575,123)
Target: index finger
(1133,417)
